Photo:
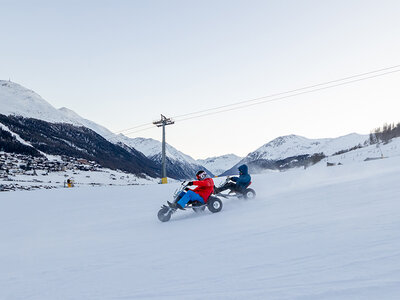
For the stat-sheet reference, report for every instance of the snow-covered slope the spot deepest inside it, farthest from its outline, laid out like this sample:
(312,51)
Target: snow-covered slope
(179,165)
(293,145)
(220,164)
(292,151)
(76,119)
(152,148)
(42,179)
(18,100)
(375,151)
(319,233)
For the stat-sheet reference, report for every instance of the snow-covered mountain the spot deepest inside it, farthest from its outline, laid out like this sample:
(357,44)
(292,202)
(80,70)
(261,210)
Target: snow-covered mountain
(30,125)
(295,151)
(220,164)
(293,145)
(152,148)
(179,165)
(29,136)
(77,120)
(286,152)
(371,152)
(17,100)
(20,101)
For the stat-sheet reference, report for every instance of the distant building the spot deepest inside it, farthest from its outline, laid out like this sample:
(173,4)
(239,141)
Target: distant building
(83,161)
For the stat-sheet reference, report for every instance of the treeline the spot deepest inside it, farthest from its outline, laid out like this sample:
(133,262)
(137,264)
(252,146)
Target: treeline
(359,146)
(8,143)
(384,134)
(260,165)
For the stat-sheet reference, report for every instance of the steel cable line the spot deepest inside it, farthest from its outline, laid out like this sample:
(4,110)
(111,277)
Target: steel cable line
(128,133)
(283,93)
(256,101)
(144,129)
(288,96)
(128,129)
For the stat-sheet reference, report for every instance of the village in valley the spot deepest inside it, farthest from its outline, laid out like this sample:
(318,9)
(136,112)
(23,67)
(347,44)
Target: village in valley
(25,172)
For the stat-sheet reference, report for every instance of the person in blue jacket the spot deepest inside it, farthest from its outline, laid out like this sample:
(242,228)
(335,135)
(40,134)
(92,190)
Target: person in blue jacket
(238,184)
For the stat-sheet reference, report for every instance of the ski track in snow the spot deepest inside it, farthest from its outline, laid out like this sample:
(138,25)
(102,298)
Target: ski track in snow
(320,233)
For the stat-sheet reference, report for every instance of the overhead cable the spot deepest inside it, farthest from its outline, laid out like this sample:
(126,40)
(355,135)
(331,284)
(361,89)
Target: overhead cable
(288,92)
(285,97)
(274,97)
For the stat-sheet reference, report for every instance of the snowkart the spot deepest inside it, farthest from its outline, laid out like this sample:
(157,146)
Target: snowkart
(246,194)
(213,204)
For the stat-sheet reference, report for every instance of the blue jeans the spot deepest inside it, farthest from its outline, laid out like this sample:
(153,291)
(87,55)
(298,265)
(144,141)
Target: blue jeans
(189,196)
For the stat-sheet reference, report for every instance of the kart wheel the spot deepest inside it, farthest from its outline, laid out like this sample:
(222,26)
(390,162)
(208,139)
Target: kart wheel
(214,204)
(164,214)
(249,194)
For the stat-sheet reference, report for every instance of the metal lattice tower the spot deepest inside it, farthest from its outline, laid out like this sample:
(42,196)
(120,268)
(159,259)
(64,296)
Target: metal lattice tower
(162,123)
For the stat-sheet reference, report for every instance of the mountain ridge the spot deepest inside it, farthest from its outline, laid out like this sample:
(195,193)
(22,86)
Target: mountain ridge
(296,151)
(179,164)
(282,152)
(19,101)
(42,137)
(219,164)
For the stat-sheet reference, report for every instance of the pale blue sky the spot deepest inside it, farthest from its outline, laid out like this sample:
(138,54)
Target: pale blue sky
(122,63)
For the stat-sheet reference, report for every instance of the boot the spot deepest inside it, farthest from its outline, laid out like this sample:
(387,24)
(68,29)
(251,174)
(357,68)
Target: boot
(174,205)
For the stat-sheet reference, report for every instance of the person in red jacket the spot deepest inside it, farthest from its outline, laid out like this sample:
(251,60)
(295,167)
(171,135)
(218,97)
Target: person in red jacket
(205,187)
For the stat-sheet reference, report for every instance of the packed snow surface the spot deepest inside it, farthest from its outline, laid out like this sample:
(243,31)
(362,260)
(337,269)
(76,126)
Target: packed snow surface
(319,233)
(102,177)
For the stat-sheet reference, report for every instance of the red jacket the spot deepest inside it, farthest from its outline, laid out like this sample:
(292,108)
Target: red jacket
(204,188)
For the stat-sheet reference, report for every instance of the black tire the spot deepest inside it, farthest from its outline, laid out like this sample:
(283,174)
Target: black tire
(249,194)
(214,204)
(164,214)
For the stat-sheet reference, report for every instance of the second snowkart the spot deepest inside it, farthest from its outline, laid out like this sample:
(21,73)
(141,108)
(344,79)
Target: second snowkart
(214,204)
(246,194)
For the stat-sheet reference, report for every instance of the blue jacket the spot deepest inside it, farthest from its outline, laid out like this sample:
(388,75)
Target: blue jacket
(244,179)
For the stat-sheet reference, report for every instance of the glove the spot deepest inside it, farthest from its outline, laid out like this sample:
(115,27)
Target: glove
(190,183)
(187,189)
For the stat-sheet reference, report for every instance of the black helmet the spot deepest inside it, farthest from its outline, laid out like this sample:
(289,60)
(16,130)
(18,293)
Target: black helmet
(200,175)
